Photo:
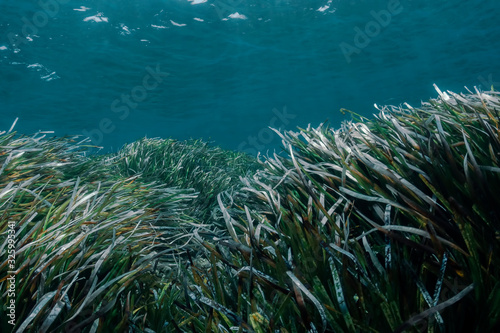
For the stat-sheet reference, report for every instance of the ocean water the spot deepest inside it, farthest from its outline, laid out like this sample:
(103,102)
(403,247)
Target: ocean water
(226,70)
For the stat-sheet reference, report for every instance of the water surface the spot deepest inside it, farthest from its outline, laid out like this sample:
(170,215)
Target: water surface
(234,67)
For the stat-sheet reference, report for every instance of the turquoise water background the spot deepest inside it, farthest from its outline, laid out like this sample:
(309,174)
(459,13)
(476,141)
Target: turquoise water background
(226,70)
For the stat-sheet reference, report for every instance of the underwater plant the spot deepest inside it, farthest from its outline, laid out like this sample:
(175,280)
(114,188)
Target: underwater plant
(86,242)
(383,225)
(195,164)
(388,224)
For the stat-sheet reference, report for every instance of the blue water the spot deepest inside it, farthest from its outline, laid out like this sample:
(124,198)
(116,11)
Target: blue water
(234,67)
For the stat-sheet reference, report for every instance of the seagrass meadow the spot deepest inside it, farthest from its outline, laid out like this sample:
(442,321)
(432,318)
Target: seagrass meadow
(390,224)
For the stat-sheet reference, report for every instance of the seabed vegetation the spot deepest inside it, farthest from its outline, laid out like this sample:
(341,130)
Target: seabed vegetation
(389,224)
